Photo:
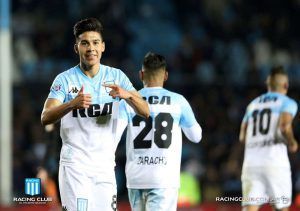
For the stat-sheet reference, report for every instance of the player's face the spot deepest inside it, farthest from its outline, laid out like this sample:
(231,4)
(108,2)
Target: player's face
(89,47)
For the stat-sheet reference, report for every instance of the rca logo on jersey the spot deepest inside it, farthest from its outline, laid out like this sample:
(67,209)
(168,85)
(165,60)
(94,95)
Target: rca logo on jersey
(163,100)
(94,110)
(73,89)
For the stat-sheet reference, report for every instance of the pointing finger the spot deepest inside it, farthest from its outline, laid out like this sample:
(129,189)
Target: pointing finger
(81,90)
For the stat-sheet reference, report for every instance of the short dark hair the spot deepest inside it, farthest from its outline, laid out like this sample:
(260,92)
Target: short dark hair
(88,24)
(153,61)
(277,70)
(272,81)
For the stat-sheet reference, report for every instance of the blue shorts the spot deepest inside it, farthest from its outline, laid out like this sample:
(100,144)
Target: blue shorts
(156,199)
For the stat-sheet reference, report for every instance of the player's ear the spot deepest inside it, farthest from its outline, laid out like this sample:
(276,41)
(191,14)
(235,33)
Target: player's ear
(267,82)
(103,47)
(286,86)
(166,75)
(76,48)
(141,74)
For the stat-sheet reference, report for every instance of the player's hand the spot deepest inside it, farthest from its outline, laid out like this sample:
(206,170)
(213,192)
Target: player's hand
(293,146)
(82,100)
(117,91)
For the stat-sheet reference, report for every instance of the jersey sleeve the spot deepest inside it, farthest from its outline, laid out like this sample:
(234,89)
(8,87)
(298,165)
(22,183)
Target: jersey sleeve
(58,89)
(246,117)
(187,118)
(247,114)
(193,133)
(290,106)
(188,122)
(125,83)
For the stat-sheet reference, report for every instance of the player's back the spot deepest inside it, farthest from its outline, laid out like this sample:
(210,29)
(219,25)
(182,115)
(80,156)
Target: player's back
(153,145)
(265,146)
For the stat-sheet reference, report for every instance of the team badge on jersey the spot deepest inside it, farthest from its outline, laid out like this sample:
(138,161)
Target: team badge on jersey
(109,82)
(56,87)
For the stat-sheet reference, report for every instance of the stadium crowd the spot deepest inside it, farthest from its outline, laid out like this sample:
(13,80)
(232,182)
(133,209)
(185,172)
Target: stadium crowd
(218,54)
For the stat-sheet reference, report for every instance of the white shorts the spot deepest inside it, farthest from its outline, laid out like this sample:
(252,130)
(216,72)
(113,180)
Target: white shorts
(271,185)
(157,199)
(82,191)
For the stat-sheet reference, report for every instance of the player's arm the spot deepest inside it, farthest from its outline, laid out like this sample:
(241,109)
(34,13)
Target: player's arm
(244,125)
(243,129)
(139,105)
(286,129)
(193,133)
(54,110)
(190,127)
(133,98)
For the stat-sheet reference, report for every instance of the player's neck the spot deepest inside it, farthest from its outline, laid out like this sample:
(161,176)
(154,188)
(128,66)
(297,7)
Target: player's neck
(89,71)
(280,91)
(153,84)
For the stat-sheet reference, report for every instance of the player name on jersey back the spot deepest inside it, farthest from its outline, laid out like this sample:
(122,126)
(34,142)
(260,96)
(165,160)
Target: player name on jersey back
(152,160)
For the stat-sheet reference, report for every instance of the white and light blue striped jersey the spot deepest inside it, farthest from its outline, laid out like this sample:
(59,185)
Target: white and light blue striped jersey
(88,135)
(153,145)
(265,145)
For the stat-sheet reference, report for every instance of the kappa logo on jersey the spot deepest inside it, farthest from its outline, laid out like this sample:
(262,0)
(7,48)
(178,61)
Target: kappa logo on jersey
(73,89)
(94,110)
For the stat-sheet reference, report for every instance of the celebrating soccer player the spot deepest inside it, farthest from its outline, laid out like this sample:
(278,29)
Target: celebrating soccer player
(85,98)
(153,145)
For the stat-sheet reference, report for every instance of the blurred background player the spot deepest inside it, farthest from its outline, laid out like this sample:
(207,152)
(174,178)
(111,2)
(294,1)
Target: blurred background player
(49,187)
(267,132)
(87,111)
(153,145)
(47,170)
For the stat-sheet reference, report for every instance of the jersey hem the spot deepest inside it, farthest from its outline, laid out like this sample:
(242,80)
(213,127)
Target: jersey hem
(151,186)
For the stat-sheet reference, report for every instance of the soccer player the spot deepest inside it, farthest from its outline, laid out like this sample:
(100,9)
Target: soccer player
(153,145)
(85,99)
(267,132)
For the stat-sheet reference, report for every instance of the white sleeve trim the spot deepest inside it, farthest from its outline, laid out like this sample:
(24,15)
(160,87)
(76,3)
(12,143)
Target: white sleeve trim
(193,133)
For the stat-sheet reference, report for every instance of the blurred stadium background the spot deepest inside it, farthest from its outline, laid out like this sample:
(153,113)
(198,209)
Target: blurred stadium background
(218,54)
